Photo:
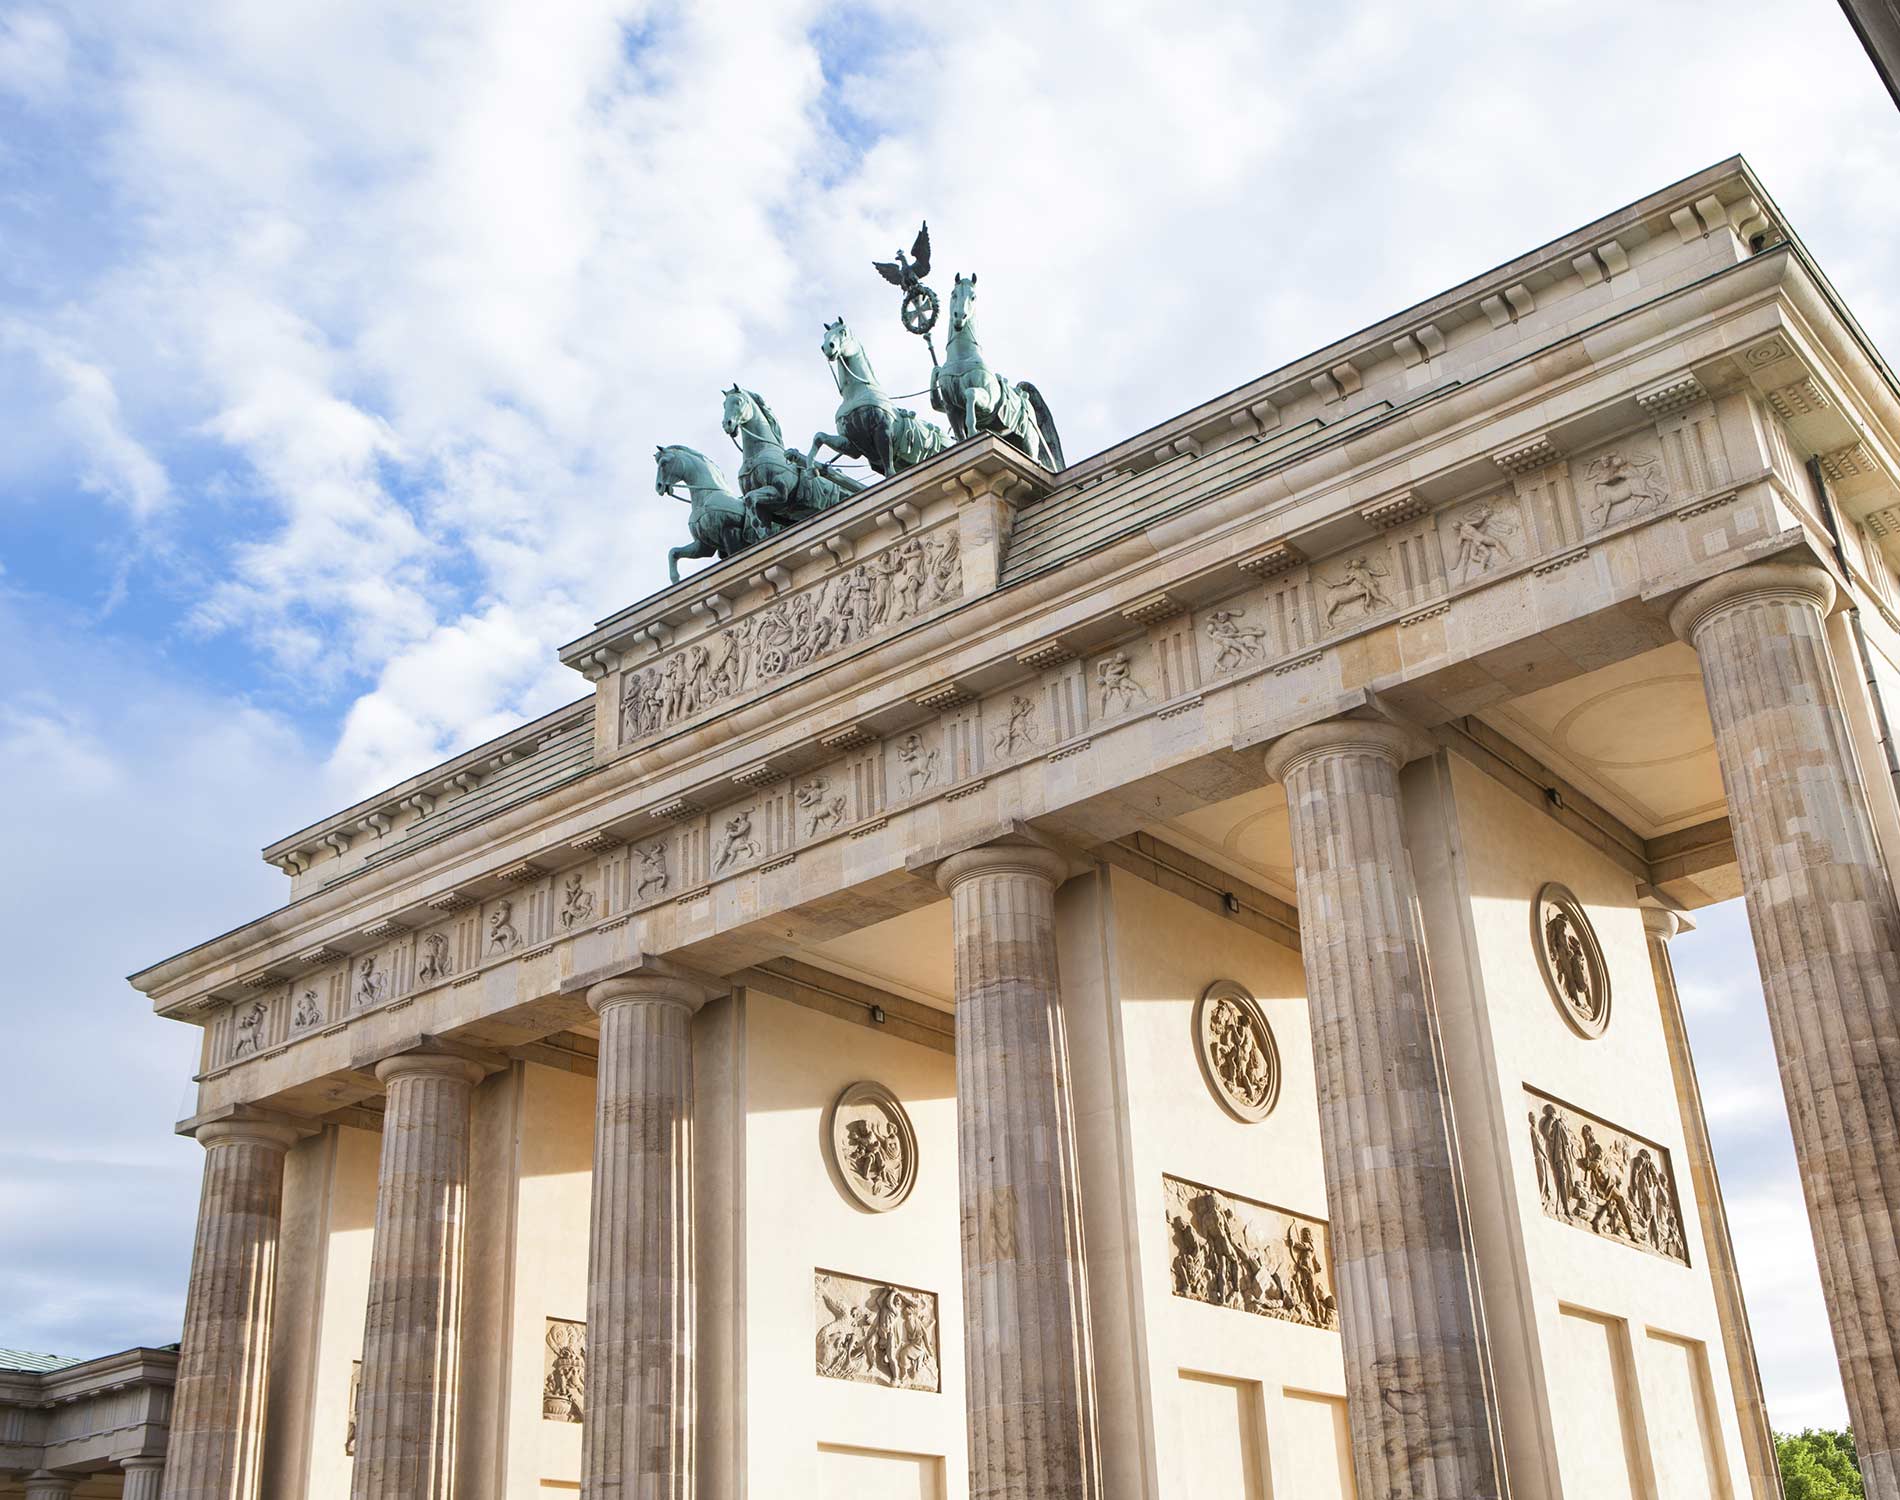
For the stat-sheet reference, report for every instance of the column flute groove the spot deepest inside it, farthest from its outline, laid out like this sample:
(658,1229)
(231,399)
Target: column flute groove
(217,1427)
(638,1433)
(1031,1392)
(1826,926)
(406,1401)
(1420,1404)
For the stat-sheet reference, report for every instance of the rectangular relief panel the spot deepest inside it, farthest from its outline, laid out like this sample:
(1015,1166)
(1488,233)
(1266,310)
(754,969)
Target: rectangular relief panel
(1599,1177)
(1233,1252)
(564,1372)
(877,1333)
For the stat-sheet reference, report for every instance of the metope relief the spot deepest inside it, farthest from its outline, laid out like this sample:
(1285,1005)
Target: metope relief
(1621,484)
(1235,641)
(577,903)
(896,585)
(1018,734)
(372,982)
(250,1030)
(1359,588)
(564,1378)
(738,842)
(819,808)
(503,935)
(652,879)
(1238,1055)
(1233,1252)
(873,1146)
(877,1333)
(1571,960)
(309,1010)
(1483,533)
(916,765)
(437,962)
(1595,1176)
(1115,681)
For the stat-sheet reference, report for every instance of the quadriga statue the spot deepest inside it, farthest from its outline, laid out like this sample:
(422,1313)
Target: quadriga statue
(783,487)
(721,523)
(887,437)
(977,399)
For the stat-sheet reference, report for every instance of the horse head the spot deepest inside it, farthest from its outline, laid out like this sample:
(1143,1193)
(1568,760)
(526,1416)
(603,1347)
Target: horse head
(839,342)
(738,411)
(961,296)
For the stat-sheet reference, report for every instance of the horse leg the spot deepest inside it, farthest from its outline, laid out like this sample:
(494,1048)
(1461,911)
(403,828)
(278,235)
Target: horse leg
(832,440)
(882,447)
(969,411)
(696,549)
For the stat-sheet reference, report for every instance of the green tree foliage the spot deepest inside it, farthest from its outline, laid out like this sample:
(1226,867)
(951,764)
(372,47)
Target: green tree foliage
(1817,1464)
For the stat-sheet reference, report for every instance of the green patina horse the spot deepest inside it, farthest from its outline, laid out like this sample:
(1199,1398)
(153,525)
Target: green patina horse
(977,399)
(720,522)
(887,437)
(781,487)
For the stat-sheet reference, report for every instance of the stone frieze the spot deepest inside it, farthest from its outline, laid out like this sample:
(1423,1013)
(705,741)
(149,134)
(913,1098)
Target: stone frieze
(1230,1251)
(877,1333)
(1596,1176)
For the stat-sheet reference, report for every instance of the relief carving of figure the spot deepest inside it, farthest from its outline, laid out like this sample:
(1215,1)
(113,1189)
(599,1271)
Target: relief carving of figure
(564,1391)
(874,1154)
(944,558)
(1572,963)
(738,841)
(1233,1252)
(1240,1055)
(1234,643)
(502,937)
(436,962)
(1358,584)
(920,764)
(1602,1179)
(653,876)
(1116,677)
(1630,484)
(879,1334)
(250,1030)
(1020,731)
(309,1011)
(371,983)
(1481,534)
(819,809)
(577,903)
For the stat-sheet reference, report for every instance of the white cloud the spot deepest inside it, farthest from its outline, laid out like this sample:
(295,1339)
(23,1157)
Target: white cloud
(34,56)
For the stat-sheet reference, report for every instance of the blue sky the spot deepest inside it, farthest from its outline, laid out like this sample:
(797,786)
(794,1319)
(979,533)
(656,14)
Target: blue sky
(335,339)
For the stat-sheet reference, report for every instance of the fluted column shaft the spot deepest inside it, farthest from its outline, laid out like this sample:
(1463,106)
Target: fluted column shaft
(1031,1387)
(217,1426)
(1417,1393)
(637,1441)
(405,1424)
(143,1477)
(1738,1340)
(1827,937)
(45,1485)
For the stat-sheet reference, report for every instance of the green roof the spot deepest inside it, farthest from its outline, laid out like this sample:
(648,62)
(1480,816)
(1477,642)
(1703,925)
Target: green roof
(23,1359)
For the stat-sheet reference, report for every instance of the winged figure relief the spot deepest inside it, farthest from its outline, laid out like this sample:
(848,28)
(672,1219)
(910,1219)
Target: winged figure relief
(907,270)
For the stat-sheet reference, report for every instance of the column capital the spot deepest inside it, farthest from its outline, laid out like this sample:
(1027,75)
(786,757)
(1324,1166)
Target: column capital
(436,1064)
(1661,922)
(1397,743)
(143,1461)
(1003,858)
(1802,583)
(647,989)
(44,1484)
(266,1133)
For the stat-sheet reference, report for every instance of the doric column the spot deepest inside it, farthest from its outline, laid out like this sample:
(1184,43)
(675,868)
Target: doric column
(217,1426)
(405,1420)
(1418,1395)
(1751,1407)
(143,1477)
(1031,1385)
(1827,937)
(43,1484)
(637,1440)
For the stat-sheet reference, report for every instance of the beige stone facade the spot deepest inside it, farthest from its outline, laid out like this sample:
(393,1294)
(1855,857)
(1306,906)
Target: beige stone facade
(1146,981)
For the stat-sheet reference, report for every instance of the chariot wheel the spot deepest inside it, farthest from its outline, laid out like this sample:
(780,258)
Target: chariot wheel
(920,310)
(771,661)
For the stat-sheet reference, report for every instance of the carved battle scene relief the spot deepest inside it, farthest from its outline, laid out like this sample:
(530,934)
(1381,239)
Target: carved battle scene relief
(1620,484)
(1354,589)
(884,590)
(1481,538)
(564,1376)
(1598,1177)
(1571,960)
(1238,1055)
(1237,641)
(874,1332)
(873,1146)
(1232,1252)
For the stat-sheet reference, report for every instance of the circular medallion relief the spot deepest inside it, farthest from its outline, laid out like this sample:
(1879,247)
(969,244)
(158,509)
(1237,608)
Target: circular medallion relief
(873,1146)
(1572,962)
(1237,1051)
